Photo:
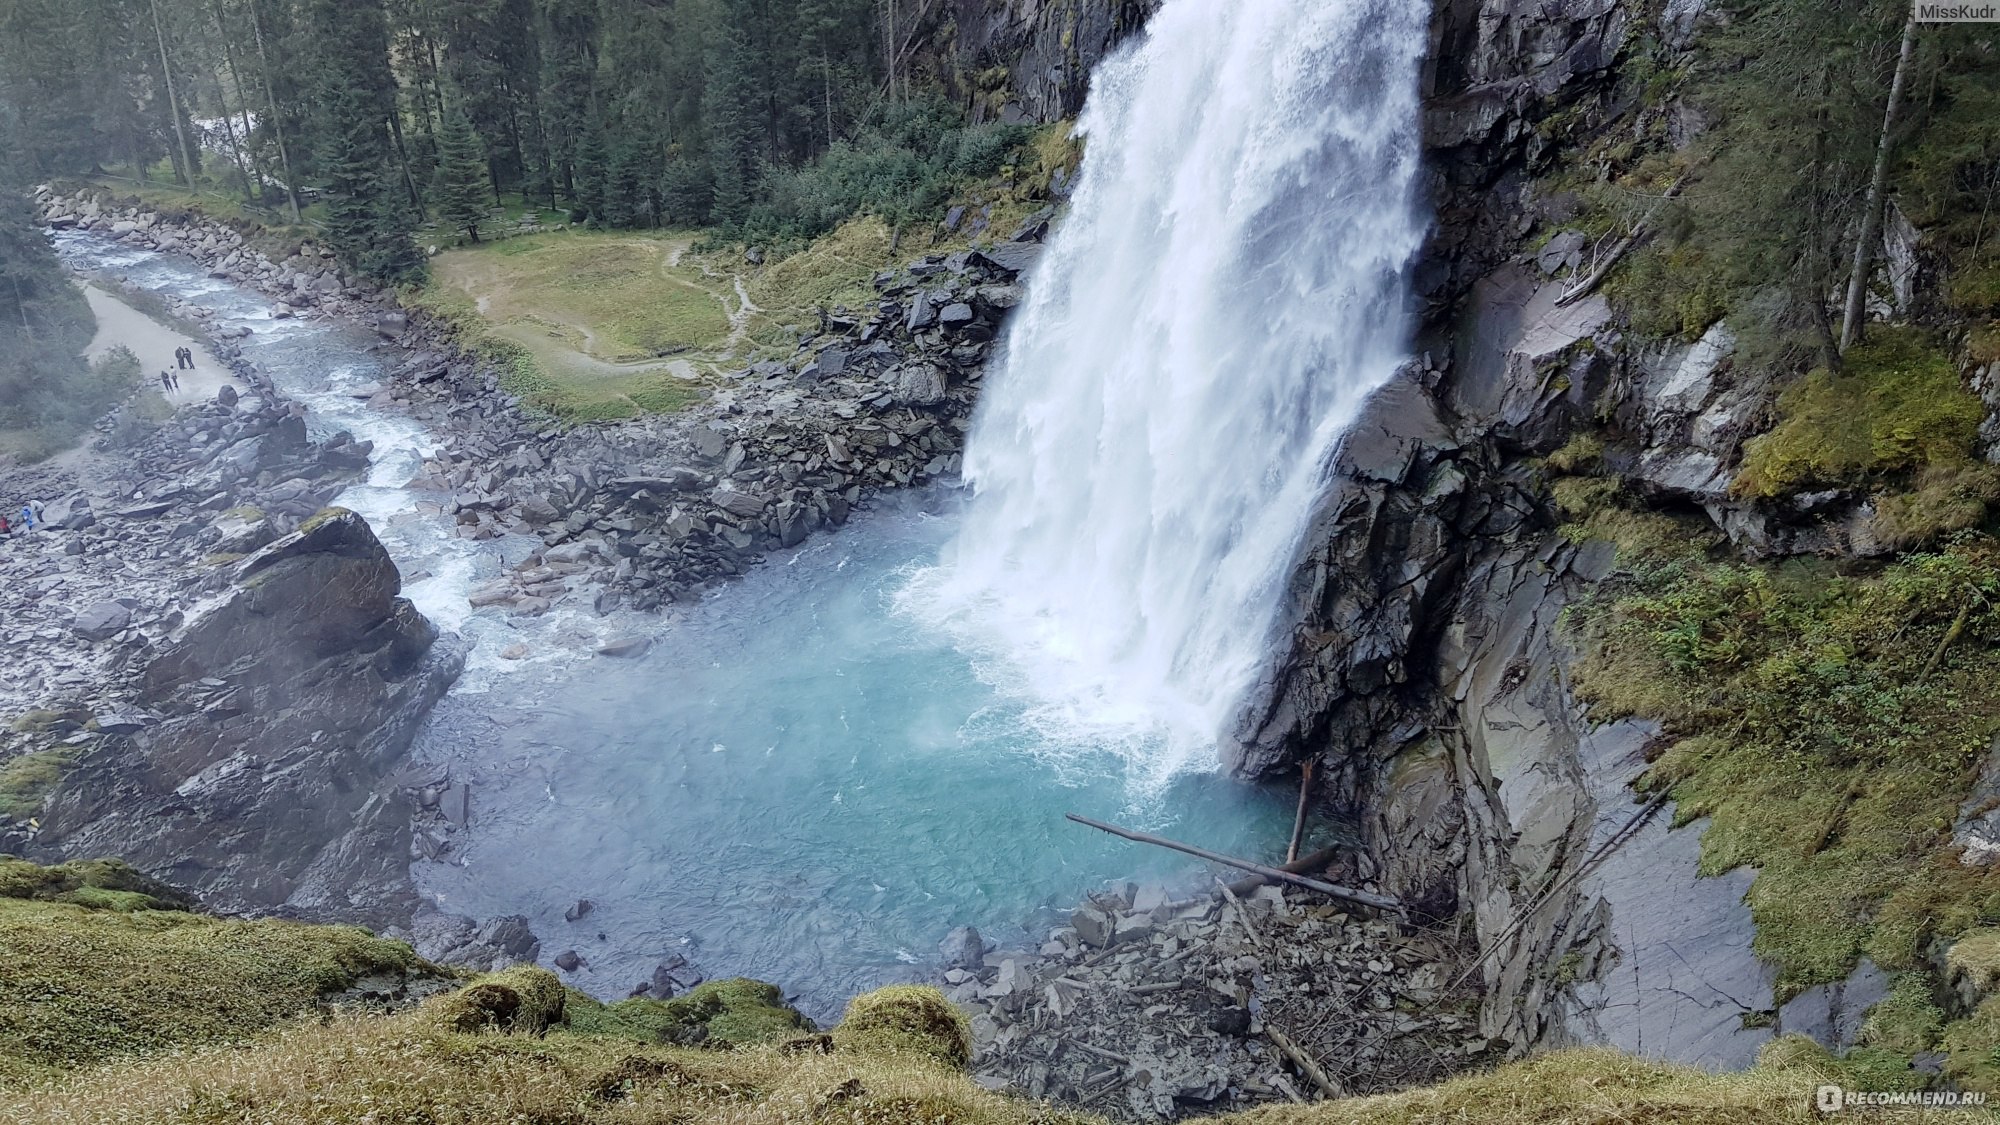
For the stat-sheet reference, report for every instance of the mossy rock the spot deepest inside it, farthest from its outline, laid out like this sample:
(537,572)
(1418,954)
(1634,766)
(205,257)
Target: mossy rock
(914,1019)
(38,720)
(1897,405)
(102,884)
(737,1012)
(523,999)
(28,779)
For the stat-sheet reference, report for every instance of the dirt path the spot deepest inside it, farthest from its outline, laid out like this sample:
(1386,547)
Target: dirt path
(120,324)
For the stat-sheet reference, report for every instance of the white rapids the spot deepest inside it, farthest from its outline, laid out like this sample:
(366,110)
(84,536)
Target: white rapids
(1230,284)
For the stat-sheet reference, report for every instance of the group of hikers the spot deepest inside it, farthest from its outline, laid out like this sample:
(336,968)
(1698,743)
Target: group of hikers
(31,518)
(170,381)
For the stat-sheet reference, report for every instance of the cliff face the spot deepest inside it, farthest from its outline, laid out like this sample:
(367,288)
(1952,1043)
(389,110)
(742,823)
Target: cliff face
(288,697)
(1425,671)
(1020,60)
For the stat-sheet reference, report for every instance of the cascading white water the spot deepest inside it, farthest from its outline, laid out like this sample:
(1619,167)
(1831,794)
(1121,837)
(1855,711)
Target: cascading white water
(1229,285)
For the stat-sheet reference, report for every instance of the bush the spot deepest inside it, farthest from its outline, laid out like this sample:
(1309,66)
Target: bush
(904,170)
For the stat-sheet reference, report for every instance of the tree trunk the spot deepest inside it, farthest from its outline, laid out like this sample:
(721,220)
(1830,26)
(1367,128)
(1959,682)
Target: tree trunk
(403,156)
(1871,214)
(188,164)
(252,185)
(277,122)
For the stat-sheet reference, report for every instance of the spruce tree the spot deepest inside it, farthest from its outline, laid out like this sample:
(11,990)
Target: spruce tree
(460,187)
(368,221)
(593,169)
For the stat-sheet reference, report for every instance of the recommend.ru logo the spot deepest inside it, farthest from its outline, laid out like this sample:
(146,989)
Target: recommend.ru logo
(1835,1099)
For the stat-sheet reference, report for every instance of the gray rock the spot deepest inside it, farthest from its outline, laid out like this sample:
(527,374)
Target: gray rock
(568,961)
(1092,925)
(919,384)
(510,935)
(962,948)
(743,505)
(626,647)
(101,621)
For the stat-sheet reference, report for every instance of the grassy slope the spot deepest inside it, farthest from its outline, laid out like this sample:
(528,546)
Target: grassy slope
(114,1010)
(1829,722)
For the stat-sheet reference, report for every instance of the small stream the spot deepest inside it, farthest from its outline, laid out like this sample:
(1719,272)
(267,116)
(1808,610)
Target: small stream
(804,780)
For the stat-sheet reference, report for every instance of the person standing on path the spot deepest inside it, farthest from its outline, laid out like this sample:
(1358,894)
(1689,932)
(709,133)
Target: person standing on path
(27,517)
(166,382)
(177,380)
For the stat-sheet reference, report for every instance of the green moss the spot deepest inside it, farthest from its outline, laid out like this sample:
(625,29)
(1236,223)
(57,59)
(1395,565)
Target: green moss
(106,973)
(1944,499)
(522,999)
(737,1011)
(64,882)
(911,1018)
(31,721)
(1972,1048)
(1975,289)
(27,779)
(1897,405)
(1907,1021)
(1583,452)
(1828,725)
(1976,958)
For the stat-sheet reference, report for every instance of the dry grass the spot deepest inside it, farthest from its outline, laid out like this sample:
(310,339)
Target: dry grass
(357,1070)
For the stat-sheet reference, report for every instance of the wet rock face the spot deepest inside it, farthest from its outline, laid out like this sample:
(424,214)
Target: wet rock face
(1043,52)
(284,700)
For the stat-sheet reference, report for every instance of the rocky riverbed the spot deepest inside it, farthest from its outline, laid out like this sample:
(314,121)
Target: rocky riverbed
(1152,1008)
(650,511)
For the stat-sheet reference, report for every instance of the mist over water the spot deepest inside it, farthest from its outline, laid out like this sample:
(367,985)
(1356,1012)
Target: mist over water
(1227,288)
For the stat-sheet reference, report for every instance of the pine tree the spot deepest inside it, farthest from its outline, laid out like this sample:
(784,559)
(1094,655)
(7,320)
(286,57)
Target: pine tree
(460,187)
(731,110)
(368,221)
(593,169)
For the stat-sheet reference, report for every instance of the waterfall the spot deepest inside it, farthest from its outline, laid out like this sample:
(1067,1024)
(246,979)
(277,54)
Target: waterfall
(1229,285)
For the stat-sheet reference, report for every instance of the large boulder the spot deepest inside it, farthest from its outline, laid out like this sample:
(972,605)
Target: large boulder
(101,621)
(289,699)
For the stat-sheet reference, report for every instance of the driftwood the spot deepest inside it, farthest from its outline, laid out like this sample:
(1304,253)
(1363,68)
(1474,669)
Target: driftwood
(1366,898)
(1624,246)
(1305,1063)
(1304,865)
(1299,818)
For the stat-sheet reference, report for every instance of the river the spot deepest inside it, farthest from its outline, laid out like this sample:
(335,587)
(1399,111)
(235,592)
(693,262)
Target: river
(804,780)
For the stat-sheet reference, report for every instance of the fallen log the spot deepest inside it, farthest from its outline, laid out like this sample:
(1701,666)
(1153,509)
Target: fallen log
(1306,1064)
(1299,820)
(1304,865)
(1366,898)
